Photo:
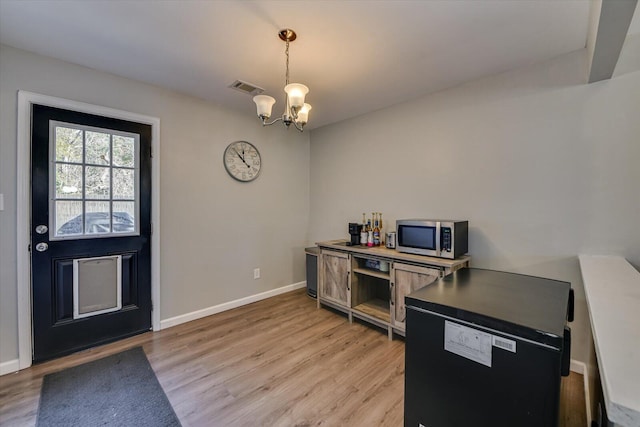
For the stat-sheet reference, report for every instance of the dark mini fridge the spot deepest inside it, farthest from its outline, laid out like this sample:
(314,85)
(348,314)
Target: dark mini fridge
(486,349)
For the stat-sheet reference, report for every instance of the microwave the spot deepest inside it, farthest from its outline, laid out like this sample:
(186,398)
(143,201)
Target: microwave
(432,237)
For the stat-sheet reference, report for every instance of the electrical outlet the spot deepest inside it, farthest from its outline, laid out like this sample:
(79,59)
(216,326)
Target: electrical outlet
(256,273)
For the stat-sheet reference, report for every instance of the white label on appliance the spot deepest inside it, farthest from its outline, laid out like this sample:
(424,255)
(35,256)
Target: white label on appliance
(504,343)
(467,342)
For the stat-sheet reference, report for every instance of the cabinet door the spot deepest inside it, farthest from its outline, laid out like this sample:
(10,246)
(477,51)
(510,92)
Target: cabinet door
(335,277)
(406,279)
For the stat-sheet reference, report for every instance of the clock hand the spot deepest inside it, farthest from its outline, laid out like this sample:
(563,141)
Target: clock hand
(242,158)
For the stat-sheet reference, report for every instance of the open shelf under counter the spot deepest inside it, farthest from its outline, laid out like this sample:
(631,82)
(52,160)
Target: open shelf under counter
(374,273)
(377,308)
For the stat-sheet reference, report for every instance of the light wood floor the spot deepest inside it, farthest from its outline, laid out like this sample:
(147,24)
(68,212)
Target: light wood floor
(277,362)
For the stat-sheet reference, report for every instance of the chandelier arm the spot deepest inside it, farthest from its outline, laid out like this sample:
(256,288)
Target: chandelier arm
(265,123)
(300,128)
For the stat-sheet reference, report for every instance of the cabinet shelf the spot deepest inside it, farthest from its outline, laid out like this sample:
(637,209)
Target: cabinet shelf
(376,308)
(373,273)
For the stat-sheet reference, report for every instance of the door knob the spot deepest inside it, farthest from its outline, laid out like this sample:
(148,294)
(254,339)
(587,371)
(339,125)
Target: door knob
(41,247)
(41,229)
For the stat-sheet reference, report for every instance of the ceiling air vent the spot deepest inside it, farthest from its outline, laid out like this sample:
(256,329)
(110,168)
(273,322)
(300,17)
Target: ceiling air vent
(245,87)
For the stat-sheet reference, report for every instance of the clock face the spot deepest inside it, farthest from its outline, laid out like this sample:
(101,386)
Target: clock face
(242,161)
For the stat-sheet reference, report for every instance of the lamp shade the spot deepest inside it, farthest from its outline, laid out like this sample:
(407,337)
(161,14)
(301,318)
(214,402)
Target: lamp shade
(264,104)
(303,114)
(296,93)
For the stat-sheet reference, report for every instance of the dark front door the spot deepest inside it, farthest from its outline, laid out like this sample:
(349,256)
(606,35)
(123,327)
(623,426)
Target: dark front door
(90,230)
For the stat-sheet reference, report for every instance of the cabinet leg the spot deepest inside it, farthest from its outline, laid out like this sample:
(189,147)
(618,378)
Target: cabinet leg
(350,317)
(390,333)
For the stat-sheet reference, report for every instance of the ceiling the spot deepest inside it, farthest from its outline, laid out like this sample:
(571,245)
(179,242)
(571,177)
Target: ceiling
(355,56)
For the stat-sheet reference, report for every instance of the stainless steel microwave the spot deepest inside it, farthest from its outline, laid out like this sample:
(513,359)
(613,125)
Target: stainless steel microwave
(433,237)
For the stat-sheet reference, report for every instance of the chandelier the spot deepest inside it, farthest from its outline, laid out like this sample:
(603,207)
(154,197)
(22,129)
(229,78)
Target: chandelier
(296,112)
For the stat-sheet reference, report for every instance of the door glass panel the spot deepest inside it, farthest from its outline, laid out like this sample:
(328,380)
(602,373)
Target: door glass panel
(124,184)
(95,184)
(123,217)
(97,219)
(98,148)
(68,181)
(68,220)
(98,182)
(123,151)
(69,144)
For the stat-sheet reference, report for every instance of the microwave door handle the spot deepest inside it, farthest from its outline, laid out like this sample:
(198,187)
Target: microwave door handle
(438,252)
(571,306)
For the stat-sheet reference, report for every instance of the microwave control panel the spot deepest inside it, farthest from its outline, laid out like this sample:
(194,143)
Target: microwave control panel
(446,239)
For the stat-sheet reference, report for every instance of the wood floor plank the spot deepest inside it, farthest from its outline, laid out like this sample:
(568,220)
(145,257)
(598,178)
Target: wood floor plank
(276,362)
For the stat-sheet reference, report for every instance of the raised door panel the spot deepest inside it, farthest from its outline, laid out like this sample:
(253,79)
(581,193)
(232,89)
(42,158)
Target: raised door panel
(409,278)
(335,277)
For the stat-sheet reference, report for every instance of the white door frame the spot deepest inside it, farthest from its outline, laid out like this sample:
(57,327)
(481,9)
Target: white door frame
(25,101)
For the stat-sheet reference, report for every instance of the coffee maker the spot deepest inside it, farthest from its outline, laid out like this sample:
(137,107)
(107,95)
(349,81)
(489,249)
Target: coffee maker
(354,231)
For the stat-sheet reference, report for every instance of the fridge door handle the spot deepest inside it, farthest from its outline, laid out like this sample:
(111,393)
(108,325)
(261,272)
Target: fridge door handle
(566,352)
(571,306)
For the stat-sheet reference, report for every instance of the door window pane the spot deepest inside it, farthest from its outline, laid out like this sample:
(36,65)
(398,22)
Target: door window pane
(98,182)
(123,151)
(68,219)
(124,184)
(123,218)
(68,181)
(69,144)
(97,218)
(93,182)
(98,148)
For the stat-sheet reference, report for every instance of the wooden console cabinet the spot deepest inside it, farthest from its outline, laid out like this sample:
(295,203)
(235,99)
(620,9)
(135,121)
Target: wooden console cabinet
(350,283)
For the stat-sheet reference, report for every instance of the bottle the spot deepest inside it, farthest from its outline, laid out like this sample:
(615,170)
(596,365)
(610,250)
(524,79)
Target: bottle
(381,231)
(363,232)
(369,233)
(376,231)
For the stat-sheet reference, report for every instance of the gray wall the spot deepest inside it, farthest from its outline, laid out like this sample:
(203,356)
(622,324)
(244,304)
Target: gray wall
(215,231)
(543,166)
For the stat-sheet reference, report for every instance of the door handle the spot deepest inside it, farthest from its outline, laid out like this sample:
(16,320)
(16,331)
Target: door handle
(41,247)
(393,295)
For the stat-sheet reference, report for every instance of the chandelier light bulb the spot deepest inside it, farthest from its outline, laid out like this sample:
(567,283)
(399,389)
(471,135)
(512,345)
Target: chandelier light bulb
(296,93)
(303,114)
(264,103)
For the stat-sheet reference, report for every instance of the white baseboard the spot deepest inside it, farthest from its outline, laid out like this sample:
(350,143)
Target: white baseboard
(581,368)
(577,367)
(198,314)
(9,367)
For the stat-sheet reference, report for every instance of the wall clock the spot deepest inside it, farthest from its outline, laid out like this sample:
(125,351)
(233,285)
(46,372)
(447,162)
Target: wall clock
(242,161)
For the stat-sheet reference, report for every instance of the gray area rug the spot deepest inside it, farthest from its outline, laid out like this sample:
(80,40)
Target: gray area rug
(119,390)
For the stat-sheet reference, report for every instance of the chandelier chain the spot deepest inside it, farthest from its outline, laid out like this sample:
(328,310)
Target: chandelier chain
(286,51)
